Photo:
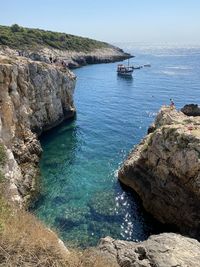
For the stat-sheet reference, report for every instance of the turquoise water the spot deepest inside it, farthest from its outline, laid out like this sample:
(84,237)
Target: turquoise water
(81,196)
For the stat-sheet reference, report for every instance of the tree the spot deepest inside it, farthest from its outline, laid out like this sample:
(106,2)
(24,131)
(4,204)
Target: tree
(15,28)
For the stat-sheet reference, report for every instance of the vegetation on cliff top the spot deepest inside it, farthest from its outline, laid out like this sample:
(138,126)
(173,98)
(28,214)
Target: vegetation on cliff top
(17,37)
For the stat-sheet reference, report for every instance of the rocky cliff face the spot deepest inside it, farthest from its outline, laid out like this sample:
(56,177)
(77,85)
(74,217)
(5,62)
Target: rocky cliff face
(34,97)
(76,59)
(72,59)
(164,169)
(164,250)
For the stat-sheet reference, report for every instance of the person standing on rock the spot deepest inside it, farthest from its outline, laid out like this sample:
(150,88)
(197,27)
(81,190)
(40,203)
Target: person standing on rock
(172,105)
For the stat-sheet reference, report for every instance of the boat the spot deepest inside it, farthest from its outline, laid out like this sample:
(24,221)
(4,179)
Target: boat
(124,70)
(147,65)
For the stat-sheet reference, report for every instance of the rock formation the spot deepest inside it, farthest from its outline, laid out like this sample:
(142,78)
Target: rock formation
(34,97)
(72,59)
(164,250)
(191,110)
(164,169)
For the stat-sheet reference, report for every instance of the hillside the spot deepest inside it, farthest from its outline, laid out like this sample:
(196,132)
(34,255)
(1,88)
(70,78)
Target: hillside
(17,37)
(40,45)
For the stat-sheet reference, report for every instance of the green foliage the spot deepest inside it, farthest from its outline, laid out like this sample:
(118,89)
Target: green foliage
(15,28)
(2,155)
(2,162)
(21,38)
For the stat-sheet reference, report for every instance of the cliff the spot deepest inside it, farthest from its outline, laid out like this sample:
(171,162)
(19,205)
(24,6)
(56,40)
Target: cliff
(164,169)
(34,97)
(72,59)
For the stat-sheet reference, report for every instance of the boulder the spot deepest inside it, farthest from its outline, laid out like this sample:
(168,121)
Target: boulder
(164,250)
(191,110)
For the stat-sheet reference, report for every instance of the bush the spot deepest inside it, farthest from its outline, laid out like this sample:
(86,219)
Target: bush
(18,37)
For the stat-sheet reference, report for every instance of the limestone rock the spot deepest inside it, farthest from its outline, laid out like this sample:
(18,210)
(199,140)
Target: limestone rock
(164,250)
(34,97)
(73,59)
(164,169)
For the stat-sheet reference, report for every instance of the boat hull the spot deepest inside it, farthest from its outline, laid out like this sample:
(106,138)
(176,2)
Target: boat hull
(125,73)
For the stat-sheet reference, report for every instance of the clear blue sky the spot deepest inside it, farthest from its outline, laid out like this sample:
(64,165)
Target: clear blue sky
(110,20)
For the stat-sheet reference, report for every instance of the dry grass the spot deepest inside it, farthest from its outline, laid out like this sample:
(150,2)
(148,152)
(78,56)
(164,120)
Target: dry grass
(25,242)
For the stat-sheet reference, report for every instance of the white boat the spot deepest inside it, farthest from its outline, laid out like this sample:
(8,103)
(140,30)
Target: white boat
(125,70)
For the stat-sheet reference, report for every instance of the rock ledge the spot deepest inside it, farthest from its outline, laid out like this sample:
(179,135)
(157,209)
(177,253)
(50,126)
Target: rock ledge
(164,250)
(164,169)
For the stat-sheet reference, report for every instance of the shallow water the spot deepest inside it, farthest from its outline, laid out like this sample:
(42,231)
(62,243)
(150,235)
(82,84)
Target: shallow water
(81,196)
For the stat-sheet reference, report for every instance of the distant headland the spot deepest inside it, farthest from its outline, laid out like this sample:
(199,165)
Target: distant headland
(41,45)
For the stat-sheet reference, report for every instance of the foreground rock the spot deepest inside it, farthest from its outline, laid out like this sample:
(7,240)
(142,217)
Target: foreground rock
(164,169)
(34,97)
(164,250)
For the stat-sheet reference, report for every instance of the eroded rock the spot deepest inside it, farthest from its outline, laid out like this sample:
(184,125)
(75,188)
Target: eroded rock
(164,169)
(72,59)
(34,97)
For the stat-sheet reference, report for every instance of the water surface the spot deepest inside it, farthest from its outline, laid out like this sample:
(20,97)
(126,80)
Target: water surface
(81,196)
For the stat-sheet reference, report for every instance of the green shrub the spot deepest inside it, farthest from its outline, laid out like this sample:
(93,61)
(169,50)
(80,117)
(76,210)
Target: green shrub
(15,28)
(2,155)
(21,38)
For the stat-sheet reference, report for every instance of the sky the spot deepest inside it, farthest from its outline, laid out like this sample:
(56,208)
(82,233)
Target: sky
(151,21)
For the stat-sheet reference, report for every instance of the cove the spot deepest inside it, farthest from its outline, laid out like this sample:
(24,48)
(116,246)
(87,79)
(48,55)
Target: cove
(81,196)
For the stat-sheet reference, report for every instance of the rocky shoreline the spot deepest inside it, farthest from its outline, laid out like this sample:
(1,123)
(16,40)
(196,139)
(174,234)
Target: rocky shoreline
(35,97)
(164,170)
(71,59)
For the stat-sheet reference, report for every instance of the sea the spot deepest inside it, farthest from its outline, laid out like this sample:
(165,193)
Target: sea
(81,197)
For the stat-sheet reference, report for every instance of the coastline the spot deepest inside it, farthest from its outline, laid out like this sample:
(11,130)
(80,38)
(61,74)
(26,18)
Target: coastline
(142,252)
(72,59)
(37,124)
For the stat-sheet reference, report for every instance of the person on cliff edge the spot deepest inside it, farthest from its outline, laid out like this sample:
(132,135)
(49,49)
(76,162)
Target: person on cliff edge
(172,105)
